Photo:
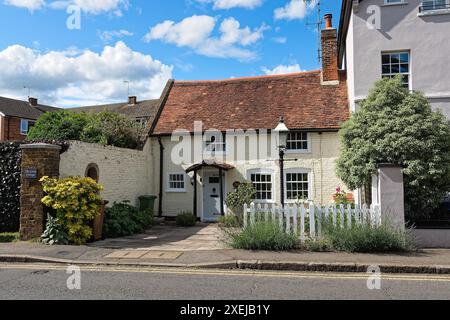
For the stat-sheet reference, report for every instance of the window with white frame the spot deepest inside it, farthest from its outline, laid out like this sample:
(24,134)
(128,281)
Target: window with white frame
(214,143)
(396,63)
(429,5)
(263,183)
(297,185)
(298,141)
(176,182)
(25,126)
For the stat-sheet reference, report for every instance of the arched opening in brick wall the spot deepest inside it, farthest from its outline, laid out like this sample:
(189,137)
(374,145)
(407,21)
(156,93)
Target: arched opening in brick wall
(93,172)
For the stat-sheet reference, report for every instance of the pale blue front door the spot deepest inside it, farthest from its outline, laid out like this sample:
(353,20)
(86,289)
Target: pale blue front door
(211,196)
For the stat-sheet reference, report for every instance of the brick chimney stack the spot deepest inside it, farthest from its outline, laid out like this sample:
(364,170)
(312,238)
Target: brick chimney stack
(330,73)
(33,101)
(132,100)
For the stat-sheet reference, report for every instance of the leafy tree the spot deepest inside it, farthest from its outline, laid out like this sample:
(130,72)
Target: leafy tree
(112,129)
(396,126)
(60,125)
(106,128)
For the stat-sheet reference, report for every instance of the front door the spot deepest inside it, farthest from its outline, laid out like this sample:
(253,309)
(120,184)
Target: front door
(211,196)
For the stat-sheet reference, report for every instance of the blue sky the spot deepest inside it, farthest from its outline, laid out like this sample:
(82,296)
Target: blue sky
(147,42)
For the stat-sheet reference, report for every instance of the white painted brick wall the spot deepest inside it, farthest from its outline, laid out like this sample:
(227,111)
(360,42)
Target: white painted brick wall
(124,173)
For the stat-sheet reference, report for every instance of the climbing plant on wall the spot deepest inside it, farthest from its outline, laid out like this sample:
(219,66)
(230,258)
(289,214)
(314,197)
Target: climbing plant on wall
(10,158)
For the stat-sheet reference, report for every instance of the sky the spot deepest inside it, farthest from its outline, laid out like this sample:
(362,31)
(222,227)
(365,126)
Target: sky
(71,53)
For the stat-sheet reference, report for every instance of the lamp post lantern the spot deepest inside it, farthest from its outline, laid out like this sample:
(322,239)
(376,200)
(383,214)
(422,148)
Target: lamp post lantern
(282,131)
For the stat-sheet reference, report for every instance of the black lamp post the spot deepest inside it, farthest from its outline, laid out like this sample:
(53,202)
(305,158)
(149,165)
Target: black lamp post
(282,131)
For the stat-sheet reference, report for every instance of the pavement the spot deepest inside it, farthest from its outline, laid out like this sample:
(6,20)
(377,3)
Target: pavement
(201,247)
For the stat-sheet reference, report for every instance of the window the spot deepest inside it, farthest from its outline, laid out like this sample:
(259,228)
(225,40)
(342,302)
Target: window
(395,63)
(393,1)
(297,185)
(25,126)
(429,5)
(176,182)
(298,141)
(263,183)
(141,122)
(214,143)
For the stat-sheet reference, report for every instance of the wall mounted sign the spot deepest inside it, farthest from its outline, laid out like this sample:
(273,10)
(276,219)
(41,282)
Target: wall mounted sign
(30,173)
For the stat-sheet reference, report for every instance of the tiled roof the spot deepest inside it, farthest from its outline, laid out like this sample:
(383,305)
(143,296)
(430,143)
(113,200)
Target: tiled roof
(22,109)
(255,103)
(143,109)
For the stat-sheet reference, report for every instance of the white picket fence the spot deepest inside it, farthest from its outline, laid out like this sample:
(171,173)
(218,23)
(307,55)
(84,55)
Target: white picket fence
(307,221)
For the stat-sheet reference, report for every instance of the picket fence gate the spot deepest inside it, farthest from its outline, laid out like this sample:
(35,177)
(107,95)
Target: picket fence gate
(307,221)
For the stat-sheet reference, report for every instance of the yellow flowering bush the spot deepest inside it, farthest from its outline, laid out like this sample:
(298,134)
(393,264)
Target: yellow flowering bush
(76,201)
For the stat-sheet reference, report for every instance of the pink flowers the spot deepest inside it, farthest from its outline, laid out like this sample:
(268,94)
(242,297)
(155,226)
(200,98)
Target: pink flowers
(342,197)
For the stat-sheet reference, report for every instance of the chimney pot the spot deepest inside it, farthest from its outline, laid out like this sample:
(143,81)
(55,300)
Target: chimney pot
(132,100)
(329,21)
(32,101)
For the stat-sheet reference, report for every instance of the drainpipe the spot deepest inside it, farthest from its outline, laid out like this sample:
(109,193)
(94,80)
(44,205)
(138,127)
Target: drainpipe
(161,176)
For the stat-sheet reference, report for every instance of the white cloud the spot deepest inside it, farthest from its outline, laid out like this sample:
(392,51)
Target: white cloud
(87,6)
(73,78)
(281,40)
(229,4)
(196,33)
(295,9)
(282,69)
(27,4)
(107,36)
(101,6)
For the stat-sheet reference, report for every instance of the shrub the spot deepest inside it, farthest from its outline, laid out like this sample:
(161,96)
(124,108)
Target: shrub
(106,128)
(9,237)
(263,236)
(76,201)
(110,128)
(186,219)
(10,161)
(230,221)
(54,232)
(122,219)
(366,238)
(396,126)
(60,125)
(244,194)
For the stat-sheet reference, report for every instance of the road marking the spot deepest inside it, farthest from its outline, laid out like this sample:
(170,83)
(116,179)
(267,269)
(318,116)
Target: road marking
(233,272)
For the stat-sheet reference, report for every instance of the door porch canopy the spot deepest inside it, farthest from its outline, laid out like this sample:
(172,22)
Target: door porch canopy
(210,164)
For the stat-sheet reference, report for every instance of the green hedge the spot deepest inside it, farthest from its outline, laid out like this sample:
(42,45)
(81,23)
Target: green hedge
(10,159)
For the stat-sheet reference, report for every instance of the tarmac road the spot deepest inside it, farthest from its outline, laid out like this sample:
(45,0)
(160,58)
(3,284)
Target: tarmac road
(45,281)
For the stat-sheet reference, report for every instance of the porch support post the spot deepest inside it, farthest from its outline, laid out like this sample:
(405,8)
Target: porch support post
(195,193)
(222,210)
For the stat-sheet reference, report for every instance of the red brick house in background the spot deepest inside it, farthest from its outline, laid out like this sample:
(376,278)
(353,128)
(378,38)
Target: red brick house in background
(17,117)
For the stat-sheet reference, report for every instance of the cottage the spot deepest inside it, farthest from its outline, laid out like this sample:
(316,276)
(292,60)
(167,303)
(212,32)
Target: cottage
(210,136)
